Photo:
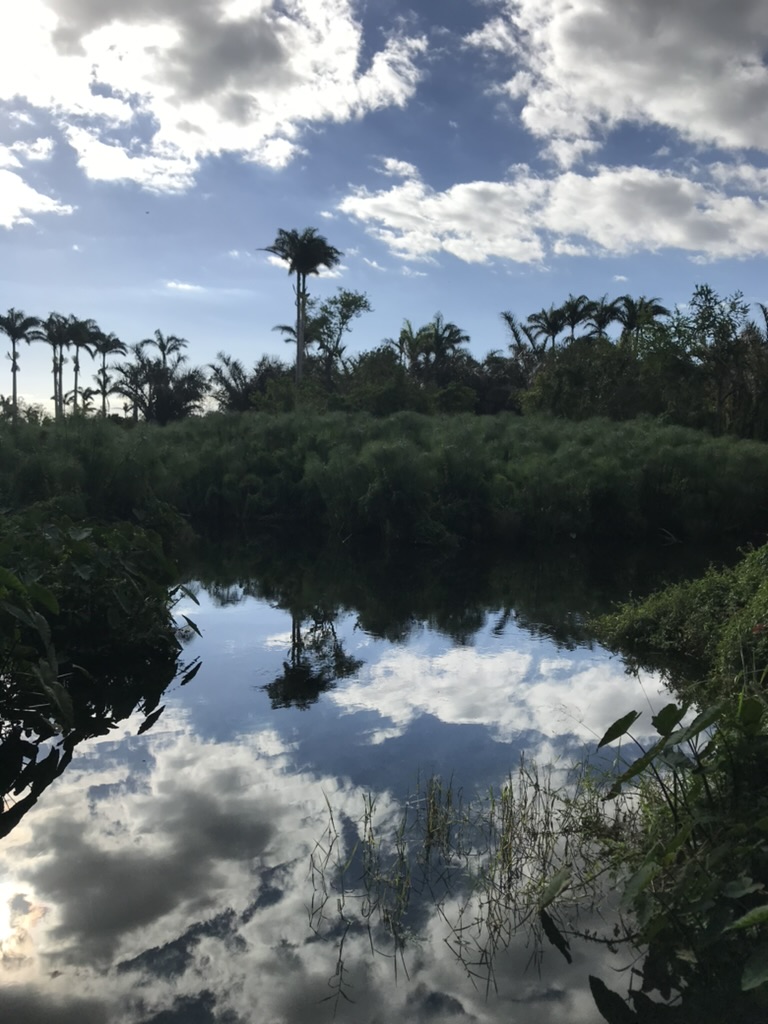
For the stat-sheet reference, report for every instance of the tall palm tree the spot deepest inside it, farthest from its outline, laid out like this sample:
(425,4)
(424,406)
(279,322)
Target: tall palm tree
(166,345)
(547,323)
(84,335)
(635,315)
(602,314)
(55,331)
(106,345)
(304,252)
(18,327)
(575,311)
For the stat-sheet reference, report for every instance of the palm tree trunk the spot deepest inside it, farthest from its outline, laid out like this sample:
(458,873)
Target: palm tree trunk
(300,324)
(14,371)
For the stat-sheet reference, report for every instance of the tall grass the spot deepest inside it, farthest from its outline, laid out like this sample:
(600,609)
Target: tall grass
(404,479)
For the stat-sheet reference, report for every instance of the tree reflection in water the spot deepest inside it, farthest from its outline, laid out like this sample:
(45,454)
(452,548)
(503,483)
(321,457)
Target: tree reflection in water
(316,662)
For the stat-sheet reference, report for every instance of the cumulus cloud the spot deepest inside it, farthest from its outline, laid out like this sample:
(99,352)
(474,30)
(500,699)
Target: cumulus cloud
(18,200)
(577,69)
(40,149)
(145,91)
(611,210)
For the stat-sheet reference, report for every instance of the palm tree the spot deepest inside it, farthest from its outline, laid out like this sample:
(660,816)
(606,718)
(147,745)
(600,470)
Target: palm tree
(601,315)
(167,346)
(547,323)
(575,311)
(407,346)
(635,315)
(84,335)
(304,252)
(18,327)
(55,331)
(106,345)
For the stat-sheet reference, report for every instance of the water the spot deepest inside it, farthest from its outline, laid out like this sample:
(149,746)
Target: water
(168,876)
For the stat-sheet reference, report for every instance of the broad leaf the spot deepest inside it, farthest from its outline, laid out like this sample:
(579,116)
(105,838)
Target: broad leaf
(610,1005)
(555,886)
(619,728)
(755,969)
(668,719)
(555,936)
(756,916)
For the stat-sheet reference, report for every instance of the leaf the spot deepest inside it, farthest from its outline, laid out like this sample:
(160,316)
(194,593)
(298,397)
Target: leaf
(60,701)
(44,597)
(150,720)
(555,886)
(637,767)
(755,970)
(698,725)
(192,625)
(751,715)
(639,882)
(610,1005)
(756,916)
(186,592)
(668,718)
(82,533)
(555,936)
(741,887)
(619,728)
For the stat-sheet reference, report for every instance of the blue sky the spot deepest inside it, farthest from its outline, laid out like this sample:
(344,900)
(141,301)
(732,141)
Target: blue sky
(467,157)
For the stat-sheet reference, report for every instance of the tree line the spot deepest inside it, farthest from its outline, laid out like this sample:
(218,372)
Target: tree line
(703,365)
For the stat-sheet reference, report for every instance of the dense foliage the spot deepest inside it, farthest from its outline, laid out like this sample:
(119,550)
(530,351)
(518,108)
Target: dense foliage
(407,478)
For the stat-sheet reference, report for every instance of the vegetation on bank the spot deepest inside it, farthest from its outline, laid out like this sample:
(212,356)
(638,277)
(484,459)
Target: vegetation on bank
(703,365)
(406,479)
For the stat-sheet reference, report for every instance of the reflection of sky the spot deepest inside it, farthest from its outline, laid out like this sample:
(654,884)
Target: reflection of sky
(165,876)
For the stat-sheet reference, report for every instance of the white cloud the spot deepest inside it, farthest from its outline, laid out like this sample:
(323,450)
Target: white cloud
(75,247)
(196,79)
(374,265)
(8,158)
(620,277)
(407,271)
(614,210)
(40,149)
(183,286)
(18,201)
(744,176)
(580,67)
(397,168)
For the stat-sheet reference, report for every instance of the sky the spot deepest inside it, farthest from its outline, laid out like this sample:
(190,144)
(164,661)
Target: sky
(466,156)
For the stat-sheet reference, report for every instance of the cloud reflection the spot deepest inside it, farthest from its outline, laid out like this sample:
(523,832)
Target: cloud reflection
(186,896)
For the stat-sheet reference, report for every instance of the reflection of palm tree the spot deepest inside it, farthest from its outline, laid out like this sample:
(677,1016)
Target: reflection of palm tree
(316,661)
(18,327)
(304,252)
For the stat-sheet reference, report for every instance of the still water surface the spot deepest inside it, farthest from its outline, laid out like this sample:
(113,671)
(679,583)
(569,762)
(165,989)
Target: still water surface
(166,877)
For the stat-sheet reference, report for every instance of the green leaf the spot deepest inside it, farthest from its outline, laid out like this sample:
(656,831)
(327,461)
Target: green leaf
(741,887)
(639,882)
(698,725)
(756,916)
(755,970)
(751,715)
(555,886)
(619,728)
(637,767)
(44,597)
(668,719)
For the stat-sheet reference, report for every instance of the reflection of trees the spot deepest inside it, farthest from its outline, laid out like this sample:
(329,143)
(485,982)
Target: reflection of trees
(316,661)
(35,750)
